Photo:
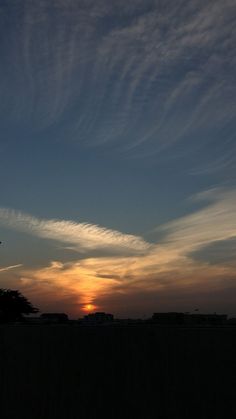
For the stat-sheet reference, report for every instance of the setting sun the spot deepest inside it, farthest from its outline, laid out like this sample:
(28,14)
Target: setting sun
(89,307)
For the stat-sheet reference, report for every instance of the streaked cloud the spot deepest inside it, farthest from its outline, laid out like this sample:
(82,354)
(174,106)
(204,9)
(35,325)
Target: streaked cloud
(215,222)
(141,77)
(83,237)
(8,268)
(113,81)
(169,266)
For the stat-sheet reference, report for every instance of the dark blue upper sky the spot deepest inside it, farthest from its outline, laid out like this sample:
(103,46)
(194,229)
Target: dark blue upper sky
(120,116)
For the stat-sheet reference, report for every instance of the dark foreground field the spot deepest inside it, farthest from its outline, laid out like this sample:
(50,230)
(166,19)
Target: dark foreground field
(145,372)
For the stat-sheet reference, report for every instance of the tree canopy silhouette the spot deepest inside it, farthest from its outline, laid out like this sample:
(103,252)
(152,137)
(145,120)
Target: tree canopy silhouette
(13,305)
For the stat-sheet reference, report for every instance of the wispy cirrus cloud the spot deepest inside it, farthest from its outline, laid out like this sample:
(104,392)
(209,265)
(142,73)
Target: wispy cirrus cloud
(8,268)
(141,76)
(215,222)
(83,237)
(168,267)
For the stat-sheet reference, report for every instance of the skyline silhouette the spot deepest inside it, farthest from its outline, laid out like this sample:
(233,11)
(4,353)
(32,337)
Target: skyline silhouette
(117,209)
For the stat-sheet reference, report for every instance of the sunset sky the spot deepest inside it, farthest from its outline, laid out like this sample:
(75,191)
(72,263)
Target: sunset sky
(118,180)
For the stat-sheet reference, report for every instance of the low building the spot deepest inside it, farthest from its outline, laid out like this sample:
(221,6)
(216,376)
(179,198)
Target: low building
(174,318)
(54,317)
(206,319)
(168,318)
(98,318)
(34,320)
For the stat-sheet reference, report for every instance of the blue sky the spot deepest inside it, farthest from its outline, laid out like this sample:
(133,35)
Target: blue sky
(117,154)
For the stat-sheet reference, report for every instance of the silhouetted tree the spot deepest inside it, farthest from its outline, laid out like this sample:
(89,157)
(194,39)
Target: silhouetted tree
(13,305)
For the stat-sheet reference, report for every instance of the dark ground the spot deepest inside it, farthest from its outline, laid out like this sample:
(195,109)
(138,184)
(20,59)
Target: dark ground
(54,372)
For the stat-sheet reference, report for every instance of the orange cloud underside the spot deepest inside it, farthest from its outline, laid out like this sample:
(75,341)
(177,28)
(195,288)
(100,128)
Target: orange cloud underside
(91,279)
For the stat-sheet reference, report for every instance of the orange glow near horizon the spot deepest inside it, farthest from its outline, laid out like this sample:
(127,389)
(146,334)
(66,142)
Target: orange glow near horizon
(89,308)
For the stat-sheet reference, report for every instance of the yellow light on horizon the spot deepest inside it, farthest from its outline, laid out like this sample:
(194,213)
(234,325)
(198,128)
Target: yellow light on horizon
(89,307)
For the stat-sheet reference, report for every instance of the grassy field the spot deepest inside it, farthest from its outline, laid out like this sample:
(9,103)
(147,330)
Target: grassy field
(145,372)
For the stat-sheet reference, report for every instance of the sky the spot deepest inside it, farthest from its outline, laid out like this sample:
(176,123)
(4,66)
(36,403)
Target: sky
(117,151)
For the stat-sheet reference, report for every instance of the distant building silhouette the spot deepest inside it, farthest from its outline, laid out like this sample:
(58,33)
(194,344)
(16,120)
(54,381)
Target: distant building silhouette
(98,318)
(206,319)
(174,318)
(168,318)
(54,317)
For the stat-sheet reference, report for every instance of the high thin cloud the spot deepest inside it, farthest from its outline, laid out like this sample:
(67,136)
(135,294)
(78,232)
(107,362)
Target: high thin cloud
(167,268)
(83,237)
(216,222)
(141,75)
(8,268)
